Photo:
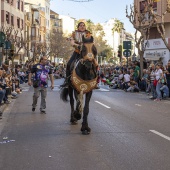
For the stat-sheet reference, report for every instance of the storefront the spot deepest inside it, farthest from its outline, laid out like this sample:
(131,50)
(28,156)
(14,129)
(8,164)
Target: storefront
(155,50)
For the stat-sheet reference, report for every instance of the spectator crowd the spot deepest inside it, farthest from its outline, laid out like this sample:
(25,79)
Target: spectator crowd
(154,80)
(10,81)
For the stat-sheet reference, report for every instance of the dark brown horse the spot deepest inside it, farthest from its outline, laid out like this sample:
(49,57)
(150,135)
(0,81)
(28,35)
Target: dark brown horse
(83,81)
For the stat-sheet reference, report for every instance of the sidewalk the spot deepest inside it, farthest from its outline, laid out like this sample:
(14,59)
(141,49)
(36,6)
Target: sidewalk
(2,108)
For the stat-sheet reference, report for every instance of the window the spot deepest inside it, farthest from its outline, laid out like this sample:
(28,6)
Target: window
(18,4)
(144,4)
(22,24)
(7,17)
(22,6)
(33,32)
(18,22)
(12,20)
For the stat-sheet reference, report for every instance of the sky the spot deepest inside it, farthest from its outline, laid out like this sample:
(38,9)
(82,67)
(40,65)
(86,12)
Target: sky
(98,11)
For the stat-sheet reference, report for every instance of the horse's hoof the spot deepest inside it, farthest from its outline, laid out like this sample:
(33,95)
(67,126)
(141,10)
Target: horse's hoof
(85,132)
(77,116)
(73,121)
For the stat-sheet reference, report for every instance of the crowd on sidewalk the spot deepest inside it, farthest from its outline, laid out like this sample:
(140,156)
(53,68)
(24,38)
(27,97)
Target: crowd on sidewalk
(154,80)
(10,82)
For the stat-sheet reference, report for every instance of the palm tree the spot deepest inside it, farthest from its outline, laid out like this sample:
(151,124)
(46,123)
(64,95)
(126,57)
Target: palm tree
(116,30)
(118,26)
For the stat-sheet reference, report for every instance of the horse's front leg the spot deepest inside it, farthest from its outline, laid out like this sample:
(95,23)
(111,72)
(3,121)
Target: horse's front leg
(77,112)
(85,128)
(72,119)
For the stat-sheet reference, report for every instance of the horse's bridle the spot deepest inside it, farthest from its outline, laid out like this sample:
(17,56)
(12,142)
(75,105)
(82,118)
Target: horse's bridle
(89,55)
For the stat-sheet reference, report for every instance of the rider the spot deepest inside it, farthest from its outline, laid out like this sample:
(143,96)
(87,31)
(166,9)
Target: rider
(76,42)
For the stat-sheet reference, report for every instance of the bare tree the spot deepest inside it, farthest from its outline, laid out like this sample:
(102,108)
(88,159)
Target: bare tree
(59,45)
(142,22)
(16,39)
(160,24)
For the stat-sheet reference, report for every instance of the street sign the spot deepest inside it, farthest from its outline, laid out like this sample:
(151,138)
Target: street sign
(127,45)
(127,53)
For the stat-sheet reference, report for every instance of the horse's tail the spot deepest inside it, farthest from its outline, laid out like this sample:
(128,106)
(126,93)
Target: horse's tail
(64,94)
(80,99)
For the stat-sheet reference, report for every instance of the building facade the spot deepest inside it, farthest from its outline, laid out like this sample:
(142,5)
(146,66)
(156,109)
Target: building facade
(68,24)
(155,49)
(12,16)
(56,23)
(44,6)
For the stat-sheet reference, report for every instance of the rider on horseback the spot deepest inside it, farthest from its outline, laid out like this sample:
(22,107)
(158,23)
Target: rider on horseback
(76,42)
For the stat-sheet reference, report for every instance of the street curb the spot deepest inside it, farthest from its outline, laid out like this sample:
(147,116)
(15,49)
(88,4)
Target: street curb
(5,115)
(2,108)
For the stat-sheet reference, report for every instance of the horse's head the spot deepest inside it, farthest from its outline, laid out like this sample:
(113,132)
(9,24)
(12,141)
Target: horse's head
(88,52)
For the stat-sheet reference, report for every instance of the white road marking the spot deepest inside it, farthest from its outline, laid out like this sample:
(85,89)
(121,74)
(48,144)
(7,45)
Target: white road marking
(101,89)
(160,134)
(138,105)
(102,104)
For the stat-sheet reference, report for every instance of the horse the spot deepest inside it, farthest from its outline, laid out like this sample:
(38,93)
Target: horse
(82,82)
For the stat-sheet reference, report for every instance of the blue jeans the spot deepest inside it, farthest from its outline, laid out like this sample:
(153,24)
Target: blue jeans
(2,95)
(158,91)
(168,84)
(153,90)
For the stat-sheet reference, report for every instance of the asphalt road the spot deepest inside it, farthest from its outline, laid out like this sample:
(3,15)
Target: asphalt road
(129,132)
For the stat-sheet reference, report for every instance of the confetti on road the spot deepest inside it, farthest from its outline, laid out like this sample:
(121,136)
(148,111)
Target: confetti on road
(7,141)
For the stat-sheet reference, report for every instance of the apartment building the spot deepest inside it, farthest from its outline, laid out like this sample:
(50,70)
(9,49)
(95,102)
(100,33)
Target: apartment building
(68,24)
(56,23)
(44,5)
(12,15)
(35,27)
(155,48)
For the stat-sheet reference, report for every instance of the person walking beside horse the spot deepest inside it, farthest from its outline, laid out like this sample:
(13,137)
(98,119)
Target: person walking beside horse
(40,82)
